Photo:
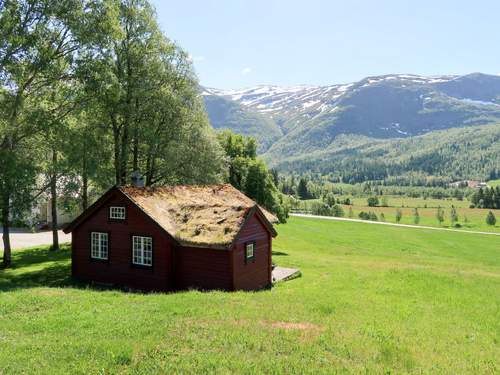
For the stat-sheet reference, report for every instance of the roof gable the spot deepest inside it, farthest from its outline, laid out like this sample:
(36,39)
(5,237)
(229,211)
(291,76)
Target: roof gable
(198,215)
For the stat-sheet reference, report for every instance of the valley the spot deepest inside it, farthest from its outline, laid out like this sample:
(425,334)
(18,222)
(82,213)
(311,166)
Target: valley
(440,126)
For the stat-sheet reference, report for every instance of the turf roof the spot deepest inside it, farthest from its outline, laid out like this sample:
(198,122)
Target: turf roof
(197,215)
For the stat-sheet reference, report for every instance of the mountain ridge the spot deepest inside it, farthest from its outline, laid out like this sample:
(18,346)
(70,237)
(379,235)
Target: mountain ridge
(310,118)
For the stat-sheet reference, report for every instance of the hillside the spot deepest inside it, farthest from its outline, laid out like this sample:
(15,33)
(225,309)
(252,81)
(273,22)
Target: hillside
(323,120)
(372,299)
(471,152)
(228,114)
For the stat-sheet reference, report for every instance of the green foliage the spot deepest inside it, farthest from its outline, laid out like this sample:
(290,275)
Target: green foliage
(491,219)
(329,199)
(302,189)
(440,215)
(416,216)
(399,215)
(453,215)
(368,215)
(372,201)
(250,174)
(486,198)
(89,92)
(439,157)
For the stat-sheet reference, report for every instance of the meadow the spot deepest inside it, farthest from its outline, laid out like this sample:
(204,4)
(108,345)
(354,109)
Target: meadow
(494,183)
(371,299)
(468,218)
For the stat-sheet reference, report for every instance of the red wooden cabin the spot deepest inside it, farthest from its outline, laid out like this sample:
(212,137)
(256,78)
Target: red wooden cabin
(170,238)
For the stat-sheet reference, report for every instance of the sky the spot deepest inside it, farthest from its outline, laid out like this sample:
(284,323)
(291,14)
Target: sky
(243,43)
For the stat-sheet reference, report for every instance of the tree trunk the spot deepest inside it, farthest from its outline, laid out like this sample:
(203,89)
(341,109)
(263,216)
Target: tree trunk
(53,202)
(85,183)
(124,154)
(136,150)
(6,231)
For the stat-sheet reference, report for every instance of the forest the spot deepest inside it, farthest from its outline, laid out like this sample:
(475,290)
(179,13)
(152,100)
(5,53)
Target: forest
(91,91)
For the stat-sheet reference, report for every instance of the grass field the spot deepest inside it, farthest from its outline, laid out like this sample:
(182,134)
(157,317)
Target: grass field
(494,183)
(372,299)
(469,218)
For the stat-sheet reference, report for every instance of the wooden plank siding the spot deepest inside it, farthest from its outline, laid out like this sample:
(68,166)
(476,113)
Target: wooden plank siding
(119,270)
(174,266)
(254,274)
(201,268)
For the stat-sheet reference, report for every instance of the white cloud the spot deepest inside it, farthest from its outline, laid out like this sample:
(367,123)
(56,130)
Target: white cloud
(246,70)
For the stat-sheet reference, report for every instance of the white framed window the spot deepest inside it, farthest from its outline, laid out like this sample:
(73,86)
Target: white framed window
(249,251)
(99,244)
(117,213)
(142,250)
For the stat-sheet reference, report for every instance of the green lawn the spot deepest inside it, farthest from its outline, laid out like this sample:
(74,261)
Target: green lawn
(494,183)
(468,218)
(372,299)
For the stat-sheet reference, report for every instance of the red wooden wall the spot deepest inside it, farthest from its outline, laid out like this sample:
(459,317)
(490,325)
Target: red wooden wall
(174,267)
(118,269)
(203,268)
(252,274)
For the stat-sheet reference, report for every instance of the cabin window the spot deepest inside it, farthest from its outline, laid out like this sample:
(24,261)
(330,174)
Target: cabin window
(142,251)
(99,245)
(117,213)
(249,251)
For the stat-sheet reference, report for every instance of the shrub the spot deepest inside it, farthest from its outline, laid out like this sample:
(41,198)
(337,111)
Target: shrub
(399,215)
(440,215)
(372,201)
(416,216)
(337,211)
(491,219)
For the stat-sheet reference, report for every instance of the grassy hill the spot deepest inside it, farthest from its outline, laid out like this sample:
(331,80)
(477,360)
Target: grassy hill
(372,299)
(471,152)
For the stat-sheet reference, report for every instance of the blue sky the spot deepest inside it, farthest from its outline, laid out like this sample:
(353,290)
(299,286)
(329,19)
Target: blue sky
(241,43)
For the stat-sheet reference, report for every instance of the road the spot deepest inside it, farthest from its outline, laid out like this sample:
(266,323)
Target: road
(394,224)
(22,238)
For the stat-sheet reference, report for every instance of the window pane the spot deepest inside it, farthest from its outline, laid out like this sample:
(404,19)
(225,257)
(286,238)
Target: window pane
(116,212)
(99,245)
(142,250)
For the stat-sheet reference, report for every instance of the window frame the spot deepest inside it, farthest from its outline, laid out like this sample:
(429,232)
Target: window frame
(141,265)
(110,216)
(91,252)
(249,259)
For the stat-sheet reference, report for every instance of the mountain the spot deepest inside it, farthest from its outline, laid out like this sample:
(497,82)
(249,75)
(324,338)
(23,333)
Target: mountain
(225,113)
(296,123)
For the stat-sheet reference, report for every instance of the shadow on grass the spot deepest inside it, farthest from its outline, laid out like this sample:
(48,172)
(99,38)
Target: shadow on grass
(279,253)
(36,267)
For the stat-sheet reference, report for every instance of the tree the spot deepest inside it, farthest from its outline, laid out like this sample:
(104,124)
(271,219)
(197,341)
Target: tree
(440,215)
(491,219)
(329,199)
(302,189)
(372,201)
(453,215)
(37,50)
(416,216)
(146,95)
(250,174)
(399,215)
